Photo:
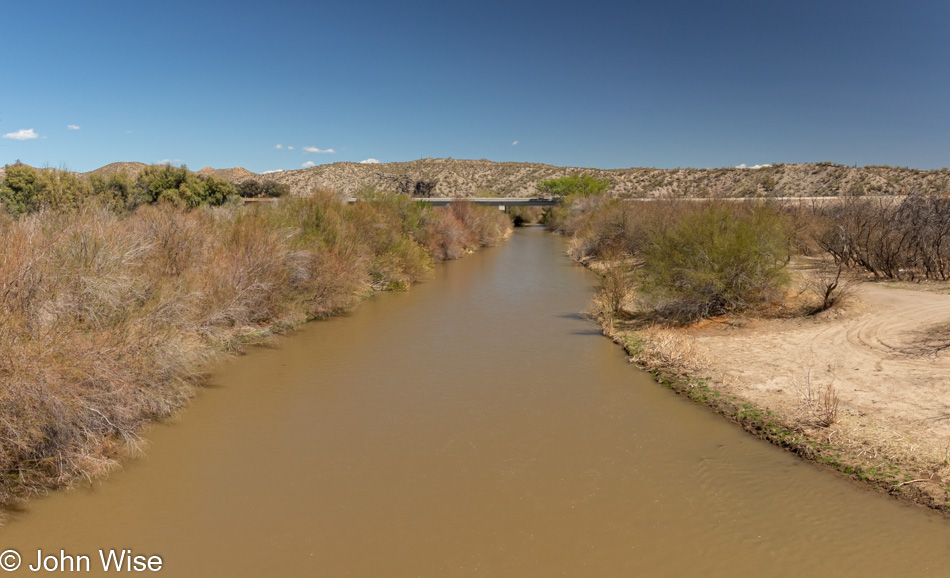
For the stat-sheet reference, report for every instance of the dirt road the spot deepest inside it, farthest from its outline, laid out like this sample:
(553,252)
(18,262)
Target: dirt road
(887,355)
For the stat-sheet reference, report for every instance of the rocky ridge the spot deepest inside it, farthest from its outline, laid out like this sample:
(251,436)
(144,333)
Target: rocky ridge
(474,178)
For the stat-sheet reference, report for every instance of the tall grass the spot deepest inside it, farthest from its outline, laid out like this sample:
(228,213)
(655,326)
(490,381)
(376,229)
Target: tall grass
(107,320)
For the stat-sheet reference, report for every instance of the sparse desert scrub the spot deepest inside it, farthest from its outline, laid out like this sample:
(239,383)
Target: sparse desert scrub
(108,319)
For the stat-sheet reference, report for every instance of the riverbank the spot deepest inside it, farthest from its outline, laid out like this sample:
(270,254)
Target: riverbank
(861,389)
(110,320)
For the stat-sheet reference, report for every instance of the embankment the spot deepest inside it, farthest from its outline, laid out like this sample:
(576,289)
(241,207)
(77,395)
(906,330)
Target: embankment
(800,405)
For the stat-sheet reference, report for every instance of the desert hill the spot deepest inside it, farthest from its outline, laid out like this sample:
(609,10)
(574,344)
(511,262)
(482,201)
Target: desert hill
(130,169)
(235,175)
(469,178)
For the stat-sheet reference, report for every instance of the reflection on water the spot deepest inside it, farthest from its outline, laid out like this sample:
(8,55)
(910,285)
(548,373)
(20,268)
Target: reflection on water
(474,425)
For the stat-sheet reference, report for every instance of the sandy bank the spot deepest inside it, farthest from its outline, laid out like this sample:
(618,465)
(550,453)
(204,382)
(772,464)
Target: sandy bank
(885,355)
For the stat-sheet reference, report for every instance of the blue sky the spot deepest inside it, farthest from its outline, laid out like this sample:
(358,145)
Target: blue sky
(666,83)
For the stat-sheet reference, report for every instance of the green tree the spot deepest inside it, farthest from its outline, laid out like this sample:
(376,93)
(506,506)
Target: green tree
(215,191)
(181,187)
(60,189)
(574,185)
(253,188)
(118,190)
(162,182)
(570,190)
(19,190)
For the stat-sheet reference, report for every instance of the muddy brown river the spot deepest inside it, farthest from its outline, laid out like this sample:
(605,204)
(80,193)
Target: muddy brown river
(475,425)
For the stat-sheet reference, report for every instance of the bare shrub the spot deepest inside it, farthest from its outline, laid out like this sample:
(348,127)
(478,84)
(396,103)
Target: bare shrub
(833,285)
(906,239)
(602,226)
(488,226)
(176,239)
(451,231)
(614,227)
(808,221)
(328,281)
(818,402)
(616,283)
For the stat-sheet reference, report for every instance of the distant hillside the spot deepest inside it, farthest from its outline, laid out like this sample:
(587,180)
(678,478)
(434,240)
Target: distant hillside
(131,169)
(469,178)
(235,175)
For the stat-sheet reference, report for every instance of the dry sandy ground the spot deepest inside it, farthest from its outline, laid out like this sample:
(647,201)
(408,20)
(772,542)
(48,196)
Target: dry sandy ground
(887,354)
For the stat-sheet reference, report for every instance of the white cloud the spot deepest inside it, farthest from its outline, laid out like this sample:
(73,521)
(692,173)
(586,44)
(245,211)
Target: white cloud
(369,162)
(290,148)
(274,171)
(514,143)
(319,151)
(308,164)
(168,161)
(743,166)
(72,126)
(280,146)
(22,134)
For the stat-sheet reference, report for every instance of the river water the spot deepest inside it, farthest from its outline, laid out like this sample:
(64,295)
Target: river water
(476,425)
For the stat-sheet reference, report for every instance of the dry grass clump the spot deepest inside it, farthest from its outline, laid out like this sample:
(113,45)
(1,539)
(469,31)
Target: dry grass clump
(107,320)
(818,402)
(671,349)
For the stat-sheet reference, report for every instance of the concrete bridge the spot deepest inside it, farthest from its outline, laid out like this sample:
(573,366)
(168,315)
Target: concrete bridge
(492,201)
(505,202)
(501,202)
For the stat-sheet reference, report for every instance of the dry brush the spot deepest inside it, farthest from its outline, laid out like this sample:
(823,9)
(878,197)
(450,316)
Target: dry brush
(107,320)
